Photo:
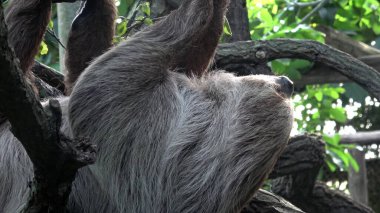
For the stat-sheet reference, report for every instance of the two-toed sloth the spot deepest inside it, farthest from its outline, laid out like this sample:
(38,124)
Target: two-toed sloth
(171,137)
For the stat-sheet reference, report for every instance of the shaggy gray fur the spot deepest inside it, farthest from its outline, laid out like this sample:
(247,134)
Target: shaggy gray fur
(167,142)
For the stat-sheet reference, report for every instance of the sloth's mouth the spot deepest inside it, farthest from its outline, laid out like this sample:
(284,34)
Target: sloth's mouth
(285,86)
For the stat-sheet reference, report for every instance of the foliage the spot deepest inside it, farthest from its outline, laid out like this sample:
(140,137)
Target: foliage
(319,104)
(137,14)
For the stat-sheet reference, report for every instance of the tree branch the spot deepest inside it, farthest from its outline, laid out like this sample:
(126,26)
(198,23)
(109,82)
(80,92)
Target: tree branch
(303,4)
(49,75)
(318,7)
(55,158)
(68,1)
(303,153)
(362,138)
(266,202)
(320,199)
(237,16)
(295,179)
(346,44)
(259,52)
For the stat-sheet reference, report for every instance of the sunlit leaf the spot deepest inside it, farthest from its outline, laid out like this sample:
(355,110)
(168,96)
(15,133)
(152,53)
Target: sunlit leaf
(338,114)
(353,163)
(226,27)
(331,165)
(318,95)
(44,48)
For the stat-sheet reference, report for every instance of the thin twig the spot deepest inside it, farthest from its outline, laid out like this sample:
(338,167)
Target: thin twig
(318,7)
(52,33)
(303,4)
(133,17)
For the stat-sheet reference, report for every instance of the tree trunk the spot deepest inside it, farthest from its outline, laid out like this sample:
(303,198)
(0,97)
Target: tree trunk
(357,181)
(66,13)
(238,19)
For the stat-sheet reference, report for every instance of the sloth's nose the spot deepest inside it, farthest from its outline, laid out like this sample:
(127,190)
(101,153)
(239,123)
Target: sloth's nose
(286,85)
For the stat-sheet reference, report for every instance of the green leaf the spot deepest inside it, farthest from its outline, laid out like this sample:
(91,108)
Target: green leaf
(319,96)
(331,165)
(332,93)
(123,7)
(148,21)
(266,17)
(122,28)
(353,163)
(343,156)
(44,48)
(51,24)
(332,140)
(338,114)
(376,28)
(315,115)
(145,8)
(278,67)
(226,27)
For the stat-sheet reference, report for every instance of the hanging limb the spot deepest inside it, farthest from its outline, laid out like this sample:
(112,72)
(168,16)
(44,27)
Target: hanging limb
(90,36)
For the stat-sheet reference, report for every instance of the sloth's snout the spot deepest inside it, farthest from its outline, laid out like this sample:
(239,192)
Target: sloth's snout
(285,86)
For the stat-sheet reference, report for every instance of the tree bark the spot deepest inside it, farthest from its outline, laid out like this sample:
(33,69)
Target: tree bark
(237,17)
(303,153)
(346,44)
(266,202)
(55,158)
(357,181)
(362,138)
(66,13)
(260,52)
(321,199)
(373,175)
(54,78)
(295,176)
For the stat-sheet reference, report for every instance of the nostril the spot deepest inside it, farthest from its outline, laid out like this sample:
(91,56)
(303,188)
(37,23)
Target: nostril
(286,85)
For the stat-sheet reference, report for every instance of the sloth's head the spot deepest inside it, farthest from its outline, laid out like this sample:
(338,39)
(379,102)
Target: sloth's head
(264,101)
(231,133)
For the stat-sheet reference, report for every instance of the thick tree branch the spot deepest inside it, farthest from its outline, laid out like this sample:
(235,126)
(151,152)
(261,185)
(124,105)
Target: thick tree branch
(303,153)
(263,51)
(237,16)
(68,1)
(362,138)
(55,158)
(295,179)
(346,44)
(266,202)
(321,74)
(49,75)
(320,199)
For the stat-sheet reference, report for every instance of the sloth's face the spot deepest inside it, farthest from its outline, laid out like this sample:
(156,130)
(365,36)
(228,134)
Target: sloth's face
(281,84)
(257,105)
(267,100)
(258,92)
(261,103)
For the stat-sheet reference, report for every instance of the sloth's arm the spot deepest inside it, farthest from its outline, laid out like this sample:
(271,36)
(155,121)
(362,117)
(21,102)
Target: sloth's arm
(187,37)
(91,35)
(27,21)
(201,49)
